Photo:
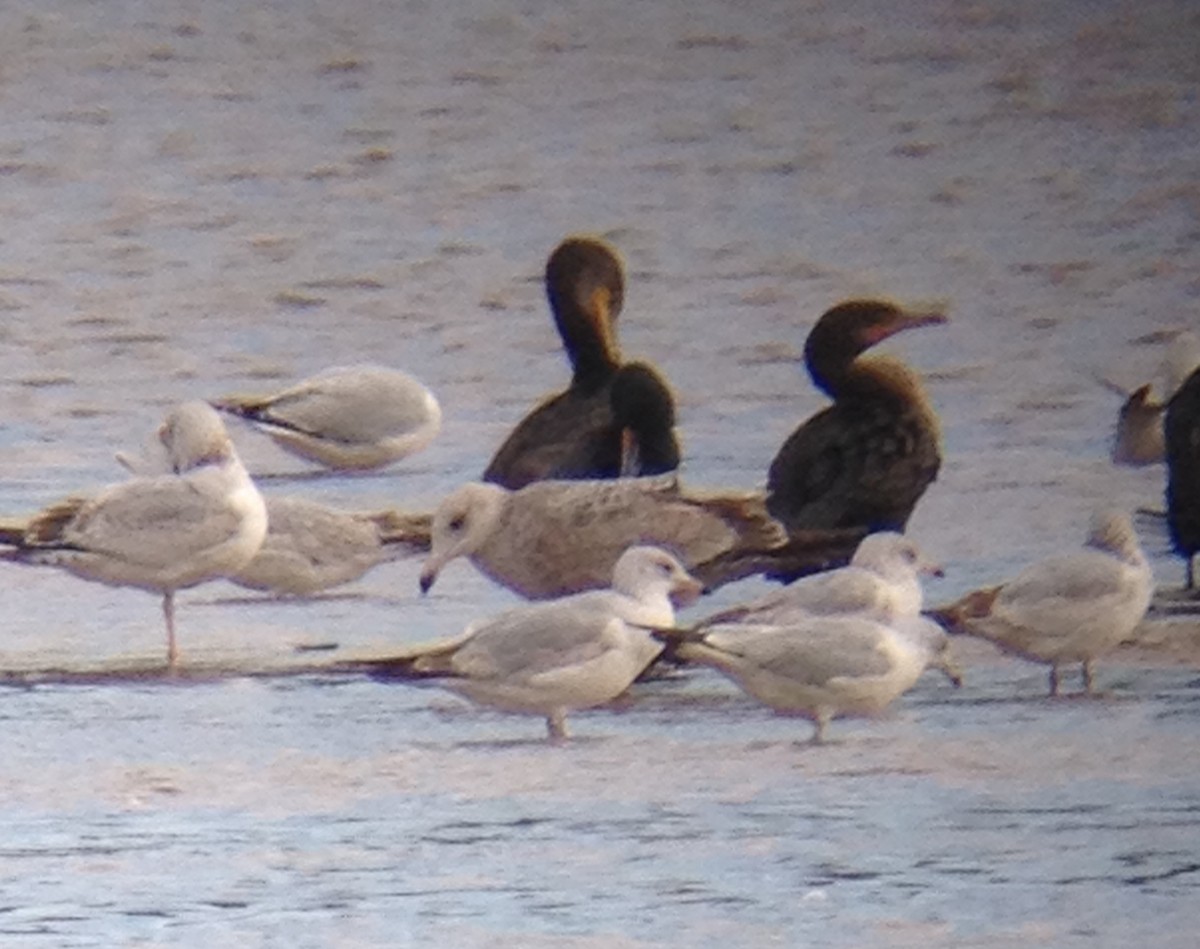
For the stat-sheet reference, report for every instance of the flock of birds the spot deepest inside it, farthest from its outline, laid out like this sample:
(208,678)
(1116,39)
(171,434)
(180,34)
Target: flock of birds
(581,509)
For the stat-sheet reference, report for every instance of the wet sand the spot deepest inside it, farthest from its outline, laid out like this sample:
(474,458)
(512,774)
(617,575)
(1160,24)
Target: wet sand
(207,198)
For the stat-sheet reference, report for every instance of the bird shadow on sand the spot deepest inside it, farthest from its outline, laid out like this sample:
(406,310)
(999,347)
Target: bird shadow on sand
(326,474)
(271,599)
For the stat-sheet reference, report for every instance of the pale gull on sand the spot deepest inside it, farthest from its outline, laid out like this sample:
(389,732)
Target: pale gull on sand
(346,418)
(820,667)
(310,547)
(551,538)
(1067,608)
(882,582)
(575,652)
(163,533)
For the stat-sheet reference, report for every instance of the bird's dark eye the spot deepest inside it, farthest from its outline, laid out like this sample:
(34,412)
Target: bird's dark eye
(456,523)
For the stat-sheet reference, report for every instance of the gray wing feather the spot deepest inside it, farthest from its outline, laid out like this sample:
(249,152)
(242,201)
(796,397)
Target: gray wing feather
(533,640)
(360,406)
(810,653)
(148,520)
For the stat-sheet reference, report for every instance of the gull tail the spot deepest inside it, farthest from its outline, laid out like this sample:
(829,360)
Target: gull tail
(956,617)
(423,661)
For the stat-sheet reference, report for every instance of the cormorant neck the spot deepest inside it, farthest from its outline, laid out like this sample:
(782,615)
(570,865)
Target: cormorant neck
(587,338)
(880,378)
(830,359)
(593,371)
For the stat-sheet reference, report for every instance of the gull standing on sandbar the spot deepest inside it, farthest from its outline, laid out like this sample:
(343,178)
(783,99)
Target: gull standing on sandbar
(1067,608)
(882,582)
(164,533)
(574,652)
(820,667)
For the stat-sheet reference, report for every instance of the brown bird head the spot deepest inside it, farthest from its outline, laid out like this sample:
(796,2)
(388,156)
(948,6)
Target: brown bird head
(848,329)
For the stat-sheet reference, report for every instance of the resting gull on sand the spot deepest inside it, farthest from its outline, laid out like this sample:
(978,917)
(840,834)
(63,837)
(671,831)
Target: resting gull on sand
(820,667)
(164,533)
(881,582)
(551,538)
(574,652)
(1066,608)
(352,418)
(310,547)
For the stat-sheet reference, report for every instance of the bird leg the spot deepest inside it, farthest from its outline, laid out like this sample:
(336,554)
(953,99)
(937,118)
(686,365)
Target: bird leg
(1054,679)
(169,616)
(1087,676)
(820,720)
(556,725)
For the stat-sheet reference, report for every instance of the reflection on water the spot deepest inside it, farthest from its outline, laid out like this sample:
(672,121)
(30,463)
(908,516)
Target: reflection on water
(201,200)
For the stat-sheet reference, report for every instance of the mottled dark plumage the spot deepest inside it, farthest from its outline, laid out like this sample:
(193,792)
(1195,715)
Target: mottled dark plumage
(1182,430)
(642,440)
(866,460)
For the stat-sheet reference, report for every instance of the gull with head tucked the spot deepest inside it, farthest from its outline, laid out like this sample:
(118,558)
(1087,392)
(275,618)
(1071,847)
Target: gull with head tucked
(348,418)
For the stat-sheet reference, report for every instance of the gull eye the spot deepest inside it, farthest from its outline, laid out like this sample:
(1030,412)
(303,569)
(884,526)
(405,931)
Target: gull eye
(456,523)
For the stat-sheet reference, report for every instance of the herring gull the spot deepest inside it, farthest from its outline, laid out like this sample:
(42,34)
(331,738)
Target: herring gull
(310,547)
(203,521)
(348,418)
(574,652)
(552,538)
(882,582)
(1066,608)
(573,434)
(820,667)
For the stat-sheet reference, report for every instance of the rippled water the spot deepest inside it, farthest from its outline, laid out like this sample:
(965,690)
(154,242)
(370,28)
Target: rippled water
(208,198)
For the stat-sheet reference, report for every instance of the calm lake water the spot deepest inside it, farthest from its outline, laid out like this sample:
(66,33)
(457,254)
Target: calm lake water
(210,198)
